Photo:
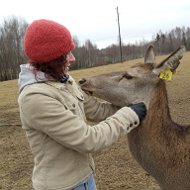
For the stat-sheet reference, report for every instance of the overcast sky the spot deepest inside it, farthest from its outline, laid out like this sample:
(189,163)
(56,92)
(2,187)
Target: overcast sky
(97,19)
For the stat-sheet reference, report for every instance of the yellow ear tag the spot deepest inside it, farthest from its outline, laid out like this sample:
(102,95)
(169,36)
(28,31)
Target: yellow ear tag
(166,74)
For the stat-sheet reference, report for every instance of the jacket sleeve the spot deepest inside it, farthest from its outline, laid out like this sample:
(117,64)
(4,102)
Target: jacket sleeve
(46,114)
(96,110)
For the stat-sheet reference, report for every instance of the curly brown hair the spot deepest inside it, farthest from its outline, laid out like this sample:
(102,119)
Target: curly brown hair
(54,68)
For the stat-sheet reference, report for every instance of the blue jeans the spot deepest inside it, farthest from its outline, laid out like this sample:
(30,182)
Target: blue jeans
(88,184)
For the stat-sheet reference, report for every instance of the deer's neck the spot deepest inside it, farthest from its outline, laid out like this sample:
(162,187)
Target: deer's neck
(158,111)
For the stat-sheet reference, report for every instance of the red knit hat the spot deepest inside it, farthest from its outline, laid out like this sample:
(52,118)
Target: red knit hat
(46,40)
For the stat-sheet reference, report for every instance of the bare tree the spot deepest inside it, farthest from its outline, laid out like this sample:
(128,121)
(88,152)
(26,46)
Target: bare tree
(11,48)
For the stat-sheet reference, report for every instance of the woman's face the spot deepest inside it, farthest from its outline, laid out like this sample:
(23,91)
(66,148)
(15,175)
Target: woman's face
(69,59)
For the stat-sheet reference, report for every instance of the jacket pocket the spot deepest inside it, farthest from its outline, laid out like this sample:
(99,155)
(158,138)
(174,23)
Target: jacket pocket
(71,105)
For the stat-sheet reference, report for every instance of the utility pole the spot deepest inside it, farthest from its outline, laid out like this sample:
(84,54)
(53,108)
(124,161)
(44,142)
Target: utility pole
(121,52)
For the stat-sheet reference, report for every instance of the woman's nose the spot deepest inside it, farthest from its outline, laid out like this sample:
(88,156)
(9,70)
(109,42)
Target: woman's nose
(70,57)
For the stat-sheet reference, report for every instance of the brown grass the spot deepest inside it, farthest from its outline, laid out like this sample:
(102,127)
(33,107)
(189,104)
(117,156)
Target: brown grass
(115,168)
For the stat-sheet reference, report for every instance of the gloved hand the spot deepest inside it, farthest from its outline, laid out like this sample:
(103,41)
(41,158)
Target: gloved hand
(139,109)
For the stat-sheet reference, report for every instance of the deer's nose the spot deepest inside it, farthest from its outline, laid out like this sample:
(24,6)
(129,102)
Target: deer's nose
(82,81)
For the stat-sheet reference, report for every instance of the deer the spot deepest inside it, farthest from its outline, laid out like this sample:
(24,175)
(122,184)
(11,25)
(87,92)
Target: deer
(159,145)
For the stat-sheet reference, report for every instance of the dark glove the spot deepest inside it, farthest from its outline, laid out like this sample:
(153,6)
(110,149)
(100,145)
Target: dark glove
(139,109)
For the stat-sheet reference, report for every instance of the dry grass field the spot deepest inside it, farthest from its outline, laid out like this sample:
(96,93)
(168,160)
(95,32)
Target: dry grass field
(115,168)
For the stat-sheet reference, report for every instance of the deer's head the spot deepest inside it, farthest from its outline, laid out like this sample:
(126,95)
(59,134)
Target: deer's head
(137,84)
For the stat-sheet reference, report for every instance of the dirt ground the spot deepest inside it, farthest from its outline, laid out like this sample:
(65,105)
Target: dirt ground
(115,168)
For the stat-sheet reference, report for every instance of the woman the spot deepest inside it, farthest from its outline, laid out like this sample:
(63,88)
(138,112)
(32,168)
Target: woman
(54,111)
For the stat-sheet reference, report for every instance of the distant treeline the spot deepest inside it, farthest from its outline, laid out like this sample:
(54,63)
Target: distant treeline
(87,55)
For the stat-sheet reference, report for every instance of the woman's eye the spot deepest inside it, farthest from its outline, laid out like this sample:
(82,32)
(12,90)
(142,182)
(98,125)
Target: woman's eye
(127,76)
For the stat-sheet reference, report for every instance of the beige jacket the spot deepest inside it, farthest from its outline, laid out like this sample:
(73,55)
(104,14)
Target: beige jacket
(54,117)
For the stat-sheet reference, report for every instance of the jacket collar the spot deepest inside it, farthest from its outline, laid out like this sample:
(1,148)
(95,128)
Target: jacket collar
(27,77)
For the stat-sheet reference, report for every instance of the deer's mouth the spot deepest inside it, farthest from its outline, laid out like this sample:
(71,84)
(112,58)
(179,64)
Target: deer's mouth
(84,84)
(88,92)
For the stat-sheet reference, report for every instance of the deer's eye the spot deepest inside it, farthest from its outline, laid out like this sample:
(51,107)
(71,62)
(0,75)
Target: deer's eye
(127,76)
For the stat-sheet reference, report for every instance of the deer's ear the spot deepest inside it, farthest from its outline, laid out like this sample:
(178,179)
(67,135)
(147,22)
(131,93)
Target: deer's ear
(150,55)
(171,62)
